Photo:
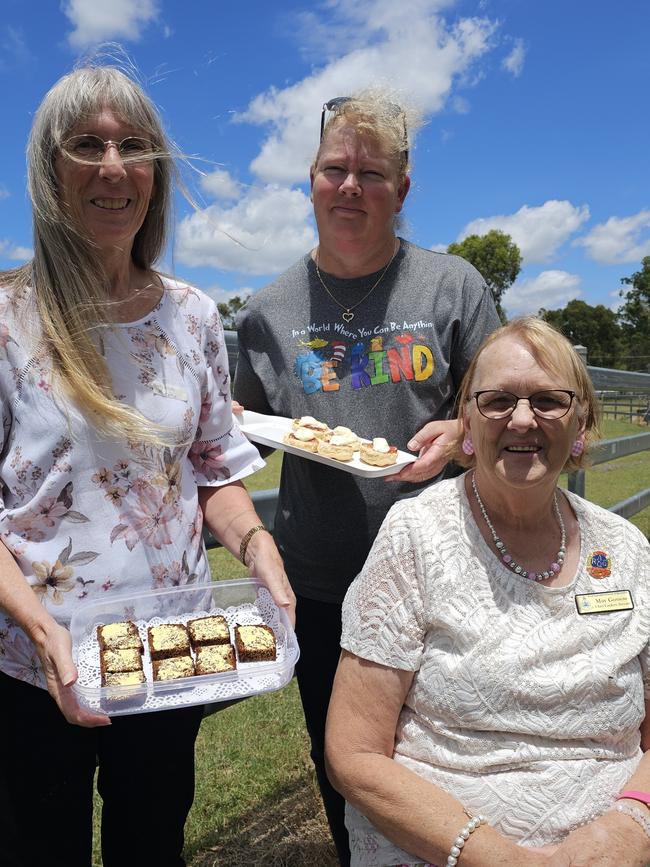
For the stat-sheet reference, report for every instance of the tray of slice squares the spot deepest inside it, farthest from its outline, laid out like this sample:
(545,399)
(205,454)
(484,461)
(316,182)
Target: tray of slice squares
(194,644)
(338,446)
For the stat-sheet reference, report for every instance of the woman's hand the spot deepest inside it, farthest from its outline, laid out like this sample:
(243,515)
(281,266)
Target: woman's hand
(55,652)
(264,561)
(612,840)
(430,442)
(229,514)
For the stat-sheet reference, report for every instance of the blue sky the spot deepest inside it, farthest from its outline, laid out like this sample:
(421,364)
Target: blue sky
(536,114)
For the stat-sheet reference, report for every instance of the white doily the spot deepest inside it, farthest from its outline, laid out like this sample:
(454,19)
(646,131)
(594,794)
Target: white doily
(250,678)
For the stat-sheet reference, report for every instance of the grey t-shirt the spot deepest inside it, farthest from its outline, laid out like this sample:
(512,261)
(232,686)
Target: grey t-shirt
(394,366)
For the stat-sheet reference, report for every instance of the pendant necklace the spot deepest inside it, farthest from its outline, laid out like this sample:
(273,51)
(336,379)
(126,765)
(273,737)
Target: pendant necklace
(507,558)
(347,314)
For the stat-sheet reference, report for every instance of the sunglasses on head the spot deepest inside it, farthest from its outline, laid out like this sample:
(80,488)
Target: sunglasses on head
(334,105)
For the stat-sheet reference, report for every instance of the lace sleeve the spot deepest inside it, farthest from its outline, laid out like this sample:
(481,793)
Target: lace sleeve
(643,569)
(383,611)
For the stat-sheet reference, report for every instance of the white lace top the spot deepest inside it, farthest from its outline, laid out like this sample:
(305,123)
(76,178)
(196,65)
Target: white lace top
(520,707)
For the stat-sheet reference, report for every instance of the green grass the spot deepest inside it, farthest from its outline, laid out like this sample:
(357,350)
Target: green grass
(256,801)
(609,483)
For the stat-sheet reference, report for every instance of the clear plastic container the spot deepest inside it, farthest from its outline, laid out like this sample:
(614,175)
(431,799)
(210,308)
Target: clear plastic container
(245,601)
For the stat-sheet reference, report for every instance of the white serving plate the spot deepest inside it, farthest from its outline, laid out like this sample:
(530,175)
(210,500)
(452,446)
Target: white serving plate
(244,601)
(269,430)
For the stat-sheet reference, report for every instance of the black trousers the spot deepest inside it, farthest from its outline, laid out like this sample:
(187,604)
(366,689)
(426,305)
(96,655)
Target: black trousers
(145,779)
(318,629)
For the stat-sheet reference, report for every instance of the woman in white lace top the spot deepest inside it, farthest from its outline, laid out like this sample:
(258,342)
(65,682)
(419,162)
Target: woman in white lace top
(489,706)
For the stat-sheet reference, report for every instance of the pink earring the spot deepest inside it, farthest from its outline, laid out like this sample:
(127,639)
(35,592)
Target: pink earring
(577,448)
(468,446)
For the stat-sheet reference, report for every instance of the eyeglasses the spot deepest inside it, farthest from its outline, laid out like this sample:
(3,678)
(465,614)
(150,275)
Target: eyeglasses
(554,403)
(91,148)
(336,104)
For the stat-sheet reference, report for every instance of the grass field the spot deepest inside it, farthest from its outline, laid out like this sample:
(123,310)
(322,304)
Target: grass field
(612,482)
(256,801)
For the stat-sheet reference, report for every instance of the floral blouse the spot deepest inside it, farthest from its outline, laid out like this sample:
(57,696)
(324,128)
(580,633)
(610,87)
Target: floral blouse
(85,515)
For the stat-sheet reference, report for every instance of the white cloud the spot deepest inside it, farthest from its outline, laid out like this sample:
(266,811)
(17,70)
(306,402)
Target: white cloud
(537,231)
(222,296)
(4,192)
(514,62)
(9,250)
(460,105)
(374,43)
(550,289)
(439,248)
(221,185)
(14,49)
(95,22)
(272,225)
(619,240)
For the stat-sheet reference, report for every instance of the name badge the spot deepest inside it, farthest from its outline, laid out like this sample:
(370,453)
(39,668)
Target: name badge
(603,603)
(168,390)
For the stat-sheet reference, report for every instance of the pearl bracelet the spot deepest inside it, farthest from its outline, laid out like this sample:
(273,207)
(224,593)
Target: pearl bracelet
(635,813)
(463,835)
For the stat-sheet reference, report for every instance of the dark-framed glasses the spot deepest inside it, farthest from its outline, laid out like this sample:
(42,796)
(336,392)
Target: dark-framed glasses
(87,148)
(552,403)
(338,102)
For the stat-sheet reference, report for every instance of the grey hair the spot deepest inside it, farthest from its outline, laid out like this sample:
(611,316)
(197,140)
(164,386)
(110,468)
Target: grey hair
(66,278)
(76,97)
(382,115)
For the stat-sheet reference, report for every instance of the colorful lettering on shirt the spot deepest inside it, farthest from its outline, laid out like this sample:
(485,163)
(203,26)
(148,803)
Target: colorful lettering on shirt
(322,365)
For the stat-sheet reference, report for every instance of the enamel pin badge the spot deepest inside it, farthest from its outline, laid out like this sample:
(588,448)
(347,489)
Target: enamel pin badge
(599,564)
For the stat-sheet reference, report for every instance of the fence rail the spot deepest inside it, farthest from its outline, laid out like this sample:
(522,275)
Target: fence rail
(627,404)
(610,450)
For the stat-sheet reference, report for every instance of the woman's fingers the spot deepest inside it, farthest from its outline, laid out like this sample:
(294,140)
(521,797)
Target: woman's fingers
(60,674)
(282,594)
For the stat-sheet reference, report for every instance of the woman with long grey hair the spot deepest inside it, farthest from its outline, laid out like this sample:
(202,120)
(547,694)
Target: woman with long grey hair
(117,443)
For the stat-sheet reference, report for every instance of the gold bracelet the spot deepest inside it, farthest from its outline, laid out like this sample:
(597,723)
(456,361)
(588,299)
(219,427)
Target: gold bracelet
(243,545)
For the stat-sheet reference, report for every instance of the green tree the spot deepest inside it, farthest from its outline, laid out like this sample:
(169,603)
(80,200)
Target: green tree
(496,256)
(595,327)
(634,317)
(228,311)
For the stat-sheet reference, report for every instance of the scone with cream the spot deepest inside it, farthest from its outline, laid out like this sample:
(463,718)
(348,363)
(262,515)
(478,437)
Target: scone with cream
(302,438)
(349,435)
(378,453)
(319,428)
(337,447)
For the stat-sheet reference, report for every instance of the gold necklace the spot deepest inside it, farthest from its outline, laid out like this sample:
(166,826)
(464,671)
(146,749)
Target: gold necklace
(348,315)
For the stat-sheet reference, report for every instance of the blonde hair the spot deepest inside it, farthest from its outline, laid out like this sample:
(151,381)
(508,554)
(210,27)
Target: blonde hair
(66,278)
(376,113)
(554,353)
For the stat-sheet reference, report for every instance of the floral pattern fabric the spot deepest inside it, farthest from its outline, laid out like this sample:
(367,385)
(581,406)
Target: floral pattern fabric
(521,708)
(85,516)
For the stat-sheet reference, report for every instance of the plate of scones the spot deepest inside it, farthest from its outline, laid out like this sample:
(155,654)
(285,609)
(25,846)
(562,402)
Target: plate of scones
(338,446)
(193,644)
